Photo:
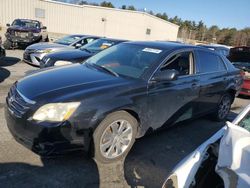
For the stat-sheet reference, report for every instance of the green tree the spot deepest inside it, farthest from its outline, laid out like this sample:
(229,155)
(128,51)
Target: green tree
(107,4)
(131,7)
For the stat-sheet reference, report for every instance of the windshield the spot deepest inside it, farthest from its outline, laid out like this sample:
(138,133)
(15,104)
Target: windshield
(98,45)
(68,39)
(128,60)
(245,122)
(26,23)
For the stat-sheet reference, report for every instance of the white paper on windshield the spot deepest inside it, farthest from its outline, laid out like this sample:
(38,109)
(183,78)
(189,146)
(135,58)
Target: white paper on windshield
(152,50)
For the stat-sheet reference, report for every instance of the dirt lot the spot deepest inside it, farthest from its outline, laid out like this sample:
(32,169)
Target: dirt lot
(147,165)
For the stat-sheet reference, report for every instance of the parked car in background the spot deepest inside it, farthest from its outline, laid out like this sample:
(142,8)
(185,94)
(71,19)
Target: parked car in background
(25,32)
(35,52)
(69,56)
(116,96)
(240,58)
(222,161)
(2,50)
(222,50)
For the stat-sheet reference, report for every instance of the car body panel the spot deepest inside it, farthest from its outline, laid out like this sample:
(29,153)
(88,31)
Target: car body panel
(233,155)
(240,57)
(34,53)
(74,56)
(25,35)
(100,93)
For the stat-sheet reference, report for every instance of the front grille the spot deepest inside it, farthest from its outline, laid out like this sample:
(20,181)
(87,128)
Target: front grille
(17,103)
(21,34)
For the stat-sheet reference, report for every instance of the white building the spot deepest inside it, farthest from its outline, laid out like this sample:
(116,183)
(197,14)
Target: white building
(66,18)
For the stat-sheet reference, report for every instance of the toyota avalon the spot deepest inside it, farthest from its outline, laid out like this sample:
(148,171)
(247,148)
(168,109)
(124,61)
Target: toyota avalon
(119,94)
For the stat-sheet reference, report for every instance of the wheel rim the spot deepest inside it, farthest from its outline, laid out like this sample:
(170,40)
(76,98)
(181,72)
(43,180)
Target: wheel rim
(224,107)
(116,138)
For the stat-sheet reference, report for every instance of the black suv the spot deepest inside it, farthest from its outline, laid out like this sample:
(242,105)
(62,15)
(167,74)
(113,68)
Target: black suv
(25,32)
(118,95)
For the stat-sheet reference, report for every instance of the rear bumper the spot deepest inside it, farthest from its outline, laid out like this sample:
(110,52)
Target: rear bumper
(45,140)
(245,90)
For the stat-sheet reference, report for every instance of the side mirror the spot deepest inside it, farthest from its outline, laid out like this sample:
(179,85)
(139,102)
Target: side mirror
(166,75)
(78,45)
(44,27)
(8,25)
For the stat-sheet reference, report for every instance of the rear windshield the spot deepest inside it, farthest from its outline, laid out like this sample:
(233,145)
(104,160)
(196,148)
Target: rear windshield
(26,23)
(240,54)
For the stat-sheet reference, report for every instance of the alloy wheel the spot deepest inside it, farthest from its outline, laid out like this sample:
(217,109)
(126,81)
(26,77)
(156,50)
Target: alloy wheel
(116,138)
(224,107)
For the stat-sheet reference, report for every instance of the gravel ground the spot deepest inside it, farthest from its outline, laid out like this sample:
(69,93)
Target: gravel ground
(150,161)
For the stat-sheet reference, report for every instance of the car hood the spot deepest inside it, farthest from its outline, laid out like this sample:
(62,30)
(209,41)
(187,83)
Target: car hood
(64,80)
(27,29)
(46,45)
(69,54)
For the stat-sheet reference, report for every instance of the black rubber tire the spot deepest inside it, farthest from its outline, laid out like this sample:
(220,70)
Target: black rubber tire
(101,128)
(7,44)
(216,114)
(46,39)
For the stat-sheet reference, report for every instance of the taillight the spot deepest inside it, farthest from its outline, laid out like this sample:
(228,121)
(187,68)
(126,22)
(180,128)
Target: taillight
(242,73)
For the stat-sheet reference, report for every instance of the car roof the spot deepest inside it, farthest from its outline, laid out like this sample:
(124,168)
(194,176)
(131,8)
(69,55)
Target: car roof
(26,20)
(213,46)
(114,40)
(162,45)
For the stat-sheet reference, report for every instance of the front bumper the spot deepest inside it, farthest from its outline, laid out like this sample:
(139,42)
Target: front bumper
(2,52)
(32,57)
(45,139)
(23,40)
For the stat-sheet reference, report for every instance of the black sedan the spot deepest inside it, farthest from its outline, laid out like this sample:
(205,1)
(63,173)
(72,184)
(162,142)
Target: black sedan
(119,94)
(69,56)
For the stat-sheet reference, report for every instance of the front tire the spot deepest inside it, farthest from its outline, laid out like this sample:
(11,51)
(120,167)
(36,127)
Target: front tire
(7,44)
(114,137)
(223,107)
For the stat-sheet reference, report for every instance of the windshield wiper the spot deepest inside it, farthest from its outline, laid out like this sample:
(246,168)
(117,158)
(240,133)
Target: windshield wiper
(104,68)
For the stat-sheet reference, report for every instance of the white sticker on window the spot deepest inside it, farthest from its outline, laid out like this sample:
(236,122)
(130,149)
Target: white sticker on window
(152,50)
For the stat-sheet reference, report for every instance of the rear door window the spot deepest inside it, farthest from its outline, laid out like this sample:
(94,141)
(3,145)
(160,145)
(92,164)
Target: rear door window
(210,62)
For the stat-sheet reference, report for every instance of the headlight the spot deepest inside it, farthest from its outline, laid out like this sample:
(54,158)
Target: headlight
(56,112)
(44,51)
(59,63)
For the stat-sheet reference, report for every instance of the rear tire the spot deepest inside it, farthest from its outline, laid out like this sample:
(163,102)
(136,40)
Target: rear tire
(114,137)
(223,107)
